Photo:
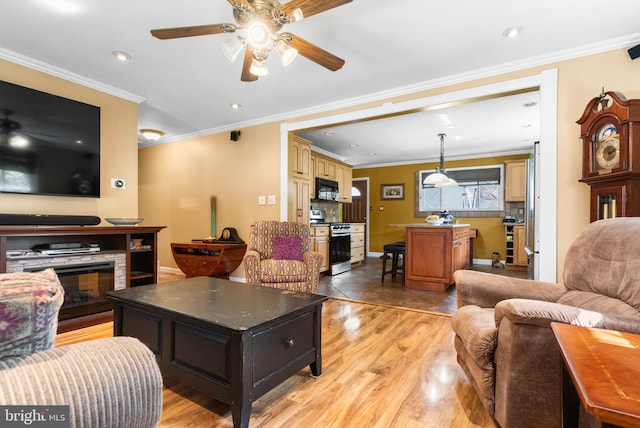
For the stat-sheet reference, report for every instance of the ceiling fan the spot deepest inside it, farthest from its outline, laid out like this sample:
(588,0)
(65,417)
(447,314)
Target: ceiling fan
(261,20)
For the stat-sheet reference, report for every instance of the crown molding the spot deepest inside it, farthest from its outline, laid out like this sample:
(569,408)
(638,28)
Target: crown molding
(564,55)
(67,75)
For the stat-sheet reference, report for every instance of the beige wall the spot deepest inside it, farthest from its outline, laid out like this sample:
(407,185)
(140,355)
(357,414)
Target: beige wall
(178,180)
(118,157)
(180,200)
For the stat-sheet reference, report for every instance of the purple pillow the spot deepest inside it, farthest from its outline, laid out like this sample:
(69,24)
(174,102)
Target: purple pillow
(287,248)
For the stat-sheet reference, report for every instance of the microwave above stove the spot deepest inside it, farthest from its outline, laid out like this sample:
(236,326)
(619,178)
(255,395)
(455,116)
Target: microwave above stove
(326,190)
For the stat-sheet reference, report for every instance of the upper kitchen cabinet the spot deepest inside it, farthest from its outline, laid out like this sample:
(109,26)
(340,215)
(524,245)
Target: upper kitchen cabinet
(515,177)
(301,154)
(325,168)
(344,174)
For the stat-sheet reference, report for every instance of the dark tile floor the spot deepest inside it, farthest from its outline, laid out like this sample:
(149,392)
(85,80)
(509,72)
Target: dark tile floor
(362,283)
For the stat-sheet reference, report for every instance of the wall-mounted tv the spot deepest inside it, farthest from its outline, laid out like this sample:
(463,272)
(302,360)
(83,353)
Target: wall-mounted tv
(49,145)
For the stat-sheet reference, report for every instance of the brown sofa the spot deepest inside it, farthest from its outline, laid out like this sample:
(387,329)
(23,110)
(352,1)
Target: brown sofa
(502,336)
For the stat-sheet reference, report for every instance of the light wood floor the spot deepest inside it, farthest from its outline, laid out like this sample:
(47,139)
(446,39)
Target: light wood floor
(382,367)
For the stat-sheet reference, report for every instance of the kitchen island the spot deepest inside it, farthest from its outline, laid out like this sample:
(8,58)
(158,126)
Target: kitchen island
(433,253)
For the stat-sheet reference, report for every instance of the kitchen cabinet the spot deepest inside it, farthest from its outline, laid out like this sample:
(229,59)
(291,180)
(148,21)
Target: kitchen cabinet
(516,255)
(301,203)
(344,176)
(434,253)
(357,242)
(515,186)
(300,180)
(320,244)
(325,168)
(301,154)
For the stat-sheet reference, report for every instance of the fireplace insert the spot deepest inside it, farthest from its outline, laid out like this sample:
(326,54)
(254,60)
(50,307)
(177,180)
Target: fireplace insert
(85,287)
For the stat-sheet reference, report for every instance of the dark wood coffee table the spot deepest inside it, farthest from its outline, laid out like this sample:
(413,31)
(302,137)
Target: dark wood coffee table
(232,340)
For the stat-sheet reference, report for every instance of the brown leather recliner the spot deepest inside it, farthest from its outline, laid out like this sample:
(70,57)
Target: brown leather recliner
(502,336)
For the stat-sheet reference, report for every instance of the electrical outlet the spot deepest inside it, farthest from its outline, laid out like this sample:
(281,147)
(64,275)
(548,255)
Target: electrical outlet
(118,183)
(262,200)
(272,199)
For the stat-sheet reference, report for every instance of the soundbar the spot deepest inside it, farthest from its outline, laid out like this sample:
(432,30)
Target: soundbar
(48,220)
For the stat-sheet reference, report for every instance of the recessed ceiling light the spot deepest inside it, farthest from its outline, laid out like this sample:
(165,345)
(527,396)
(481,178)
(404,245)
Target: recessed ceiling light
(122,56)
(372,154)
(329,133)
(353,146)
(235,106)
(531,104)
(512,32)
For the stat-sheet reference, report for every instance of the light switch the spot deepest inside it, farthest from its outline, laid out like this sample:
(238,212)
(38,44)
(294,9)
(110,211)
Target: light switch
(380,208)
(262,200)
(272,199)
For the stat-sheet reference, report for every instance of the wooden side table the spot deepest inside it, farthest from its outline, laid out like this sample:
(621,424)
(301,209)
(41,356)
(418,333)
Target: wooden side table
(208,259)
(604,370)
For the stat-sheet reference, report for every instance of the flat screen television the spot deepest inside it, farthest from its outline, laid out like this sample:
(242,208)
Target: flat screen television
(49,145)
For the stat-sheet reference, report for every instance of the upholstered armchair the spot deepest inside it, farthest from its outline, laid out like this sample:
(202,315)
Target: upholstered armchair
(110,382)
(502,336)
(279,255)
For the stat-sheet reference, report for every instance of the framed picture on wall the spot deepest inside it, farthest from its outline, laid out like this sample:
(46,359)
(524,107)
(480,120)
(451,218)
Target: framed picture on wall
(392,191)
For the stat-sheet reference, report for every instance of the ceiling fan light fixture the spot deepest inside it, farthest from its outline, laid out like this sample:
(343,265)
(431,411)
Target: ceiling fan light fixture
(259,68)
(232,48)
(286,52)
(151,134)
(258,35)
(18,141)
(296,15)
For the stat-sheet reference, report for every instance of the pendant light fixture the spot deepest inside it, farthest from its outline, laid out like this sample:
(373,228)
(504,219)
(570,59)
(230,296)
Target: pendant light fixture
(439,178)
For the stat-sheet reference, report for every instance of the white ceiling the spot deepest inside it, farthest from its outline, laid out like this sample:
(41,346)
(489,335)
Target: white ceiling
(186,85)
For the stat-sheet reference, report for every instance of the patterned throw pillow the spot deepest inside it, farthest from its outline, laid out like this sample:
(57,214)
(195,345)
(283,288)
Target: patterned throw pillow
(29,306)
(287,248)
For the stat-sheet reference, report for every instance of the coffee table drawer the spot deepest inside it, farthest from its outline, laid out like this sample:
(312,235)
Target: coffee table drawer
(275,347)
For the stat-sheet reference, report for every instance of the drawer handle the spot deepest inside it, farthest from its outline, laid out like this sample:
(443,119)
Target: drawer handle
(288,343)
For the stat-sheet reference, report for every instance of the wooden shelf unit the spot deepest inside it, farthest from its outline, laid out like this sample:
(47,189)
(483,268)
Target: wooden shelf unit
(141,263)
(516,257)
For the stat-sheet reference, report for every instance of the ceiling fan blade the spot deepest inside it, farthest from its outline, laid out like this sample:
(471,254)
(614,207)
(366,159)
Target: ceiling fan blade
(247,76)
(198,30)
(314,53)
(311,7)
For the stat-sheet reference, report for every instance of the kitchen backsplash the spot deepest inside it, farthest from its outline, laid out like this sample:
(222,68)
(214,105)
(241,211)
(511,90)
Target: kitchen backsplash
(515,210)
(331,208)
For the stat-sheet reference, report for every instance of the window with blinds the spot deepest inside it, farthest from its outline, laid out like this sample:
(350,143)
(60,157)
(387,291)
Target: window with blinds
(479,189)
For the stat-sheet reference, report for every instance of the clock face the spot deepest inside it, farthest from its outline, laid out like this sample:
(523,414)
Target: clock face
(606,149)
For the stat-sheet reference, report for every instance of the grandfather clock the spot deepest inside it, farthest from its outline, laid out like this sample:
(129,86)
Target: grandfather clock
(610,133)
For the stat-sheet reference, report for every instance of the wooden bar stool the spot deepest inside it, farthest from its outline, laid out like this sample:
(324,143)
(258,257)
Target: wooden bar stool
(396,250)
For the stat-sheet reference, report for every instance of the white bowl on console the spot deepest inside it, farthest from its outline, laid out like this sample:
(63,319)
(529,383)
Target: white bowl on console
(124,221)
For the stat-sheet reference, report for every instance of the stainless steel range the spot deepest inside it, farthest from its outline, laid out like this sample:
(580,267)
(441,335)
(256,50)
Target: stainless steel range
(339,242)
(340,248)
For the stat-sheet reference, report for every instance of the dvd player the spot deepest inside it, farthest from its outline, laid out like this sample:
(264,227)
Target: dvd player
(66,251)
(62,248)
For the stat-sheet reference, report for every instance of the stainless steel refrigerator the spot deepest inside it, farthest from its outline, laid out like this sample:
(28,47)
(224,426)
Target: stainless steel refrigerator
(532,210)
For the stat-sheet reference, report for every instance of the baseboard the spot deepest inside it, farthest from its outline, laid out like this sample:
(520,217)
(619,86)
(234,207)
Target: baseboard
(169,270)
(175,271)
